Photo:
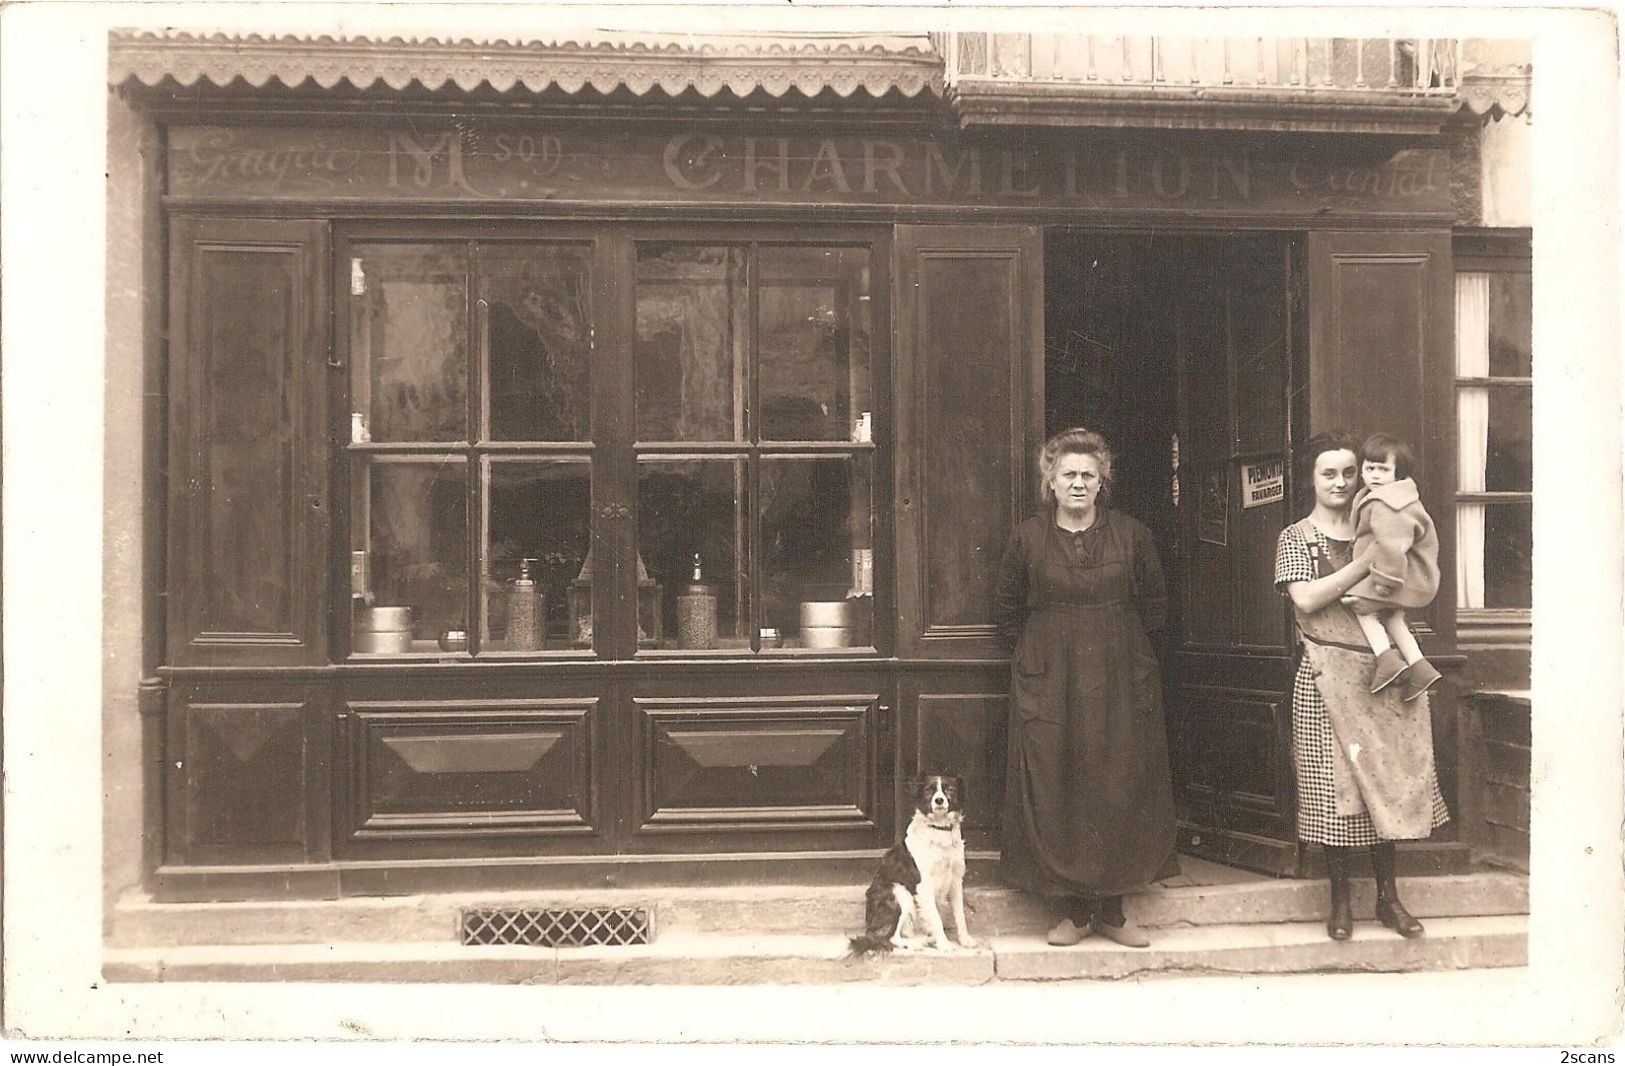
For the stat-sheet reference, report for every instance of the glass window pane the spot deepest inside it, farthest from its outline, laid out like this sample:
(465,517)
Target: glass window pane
(536,314)
(409,341)
(813,343)
(411,530)
(689,358)
(1508,552)
(536,588)
(1510,325)
(1508,463)
(817,552)
(689,508)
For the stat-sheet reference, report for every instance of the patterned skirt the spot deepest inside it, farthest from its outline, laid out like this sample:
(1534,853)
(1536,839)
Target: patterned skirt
(1313,748)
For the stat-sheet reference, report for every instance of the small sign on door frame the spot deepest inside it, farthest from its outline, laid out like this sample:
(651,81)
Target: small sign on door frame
(1262,483)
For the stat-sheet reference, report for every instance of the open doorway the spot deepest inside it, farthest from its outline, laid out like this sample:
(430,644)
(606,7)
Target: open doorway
(1180,350)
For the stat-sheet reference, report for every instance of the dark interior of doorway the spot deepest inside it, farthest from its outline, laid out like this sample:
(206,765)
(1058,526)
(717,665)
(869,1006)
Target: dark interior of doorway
(1179,349)
(1134,324)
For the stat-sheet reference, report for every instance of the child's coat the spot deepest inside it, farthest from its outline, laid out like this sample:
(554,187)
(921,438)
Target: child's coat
(1405,558)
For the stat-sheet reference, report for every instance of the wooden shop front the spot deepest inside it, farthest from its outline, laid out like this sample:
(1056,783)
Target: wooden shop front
(578,501)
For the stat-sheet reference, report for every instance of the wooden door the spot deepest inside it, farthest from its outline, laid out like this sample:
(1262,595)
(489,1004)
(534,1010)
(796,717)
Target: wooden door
(1229,718)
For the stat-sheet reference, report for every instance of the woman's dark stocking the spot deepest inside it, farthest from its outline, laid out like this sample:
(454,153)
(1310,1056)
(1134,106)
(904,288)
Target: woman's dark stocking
(1111,923)
(1074,923)
(1390,911)
(1340,923)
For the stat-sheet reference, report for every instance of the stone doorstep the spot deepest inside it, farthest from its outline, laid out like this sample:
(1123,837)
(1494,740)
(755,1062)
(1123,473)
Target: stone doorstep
(698,959)
(776,909)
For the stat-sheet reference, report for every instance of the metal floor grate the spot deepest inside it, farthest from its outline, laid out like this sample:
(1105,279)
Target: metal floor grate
(557,927)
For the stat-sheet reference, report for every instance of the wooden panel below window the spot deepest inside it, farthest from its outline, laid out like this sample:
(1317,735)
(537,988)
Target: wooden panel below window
(237,779)
(438,769)
(750,764)
(964,734)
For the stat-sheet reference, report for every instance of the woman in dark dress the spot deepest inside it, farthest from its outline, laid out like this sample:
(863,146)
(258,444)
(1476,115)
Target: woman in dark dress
(1088,809)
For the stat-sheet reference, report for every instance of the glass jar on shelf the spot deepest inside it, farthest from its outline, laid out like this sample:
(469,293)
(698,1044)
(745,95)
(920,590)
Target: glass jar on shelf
(525,610)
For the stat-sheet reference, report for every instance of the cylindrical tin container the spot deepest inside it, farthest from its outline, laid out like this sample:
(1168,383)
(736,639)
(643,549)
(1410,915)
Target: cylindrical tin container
(828,613)
(382,630)
(827,637)
(697,612)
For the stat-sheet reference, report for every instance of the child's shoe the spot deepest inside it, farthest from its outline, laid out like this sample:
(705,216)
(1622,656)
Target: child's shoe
(1419,679)
(1390,667)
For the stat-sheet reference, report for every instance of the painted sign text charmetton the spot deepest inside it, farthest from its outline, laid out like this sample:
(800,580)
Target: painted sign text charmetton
(572,164)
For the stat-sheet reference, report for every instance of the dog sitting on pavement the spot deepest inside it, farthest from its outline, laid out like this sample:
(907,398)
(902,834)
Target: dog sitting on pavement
(919,877)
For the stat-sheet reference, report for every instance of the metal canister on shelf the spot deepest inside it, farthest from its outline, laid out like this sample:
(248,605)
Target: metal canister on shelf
(834,623)
(524,610)
(697,611)
(382,630)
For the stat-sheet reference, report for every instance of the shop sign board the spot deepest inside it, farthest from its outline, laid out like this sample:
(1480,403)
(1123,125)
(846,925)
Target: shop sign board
(542,162)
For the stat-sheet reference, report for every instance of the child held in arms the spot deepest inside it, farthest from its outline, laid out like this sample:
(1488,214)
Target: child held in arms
(1388,515)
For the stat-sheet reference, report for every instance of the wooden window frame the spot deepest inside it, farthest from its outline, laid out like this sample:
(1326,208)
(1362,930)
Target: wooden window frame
(612,446)
(1493,251)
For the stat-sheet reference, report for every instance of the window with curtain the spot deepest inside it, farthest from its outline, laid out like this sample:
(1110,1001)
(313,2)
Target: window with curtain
(1494,395)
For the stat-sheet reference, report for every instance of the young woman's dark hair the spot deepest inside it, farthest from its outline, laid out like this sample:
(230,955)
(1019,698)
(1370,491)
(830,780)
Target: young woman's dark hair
(1335,440)
(1380,448)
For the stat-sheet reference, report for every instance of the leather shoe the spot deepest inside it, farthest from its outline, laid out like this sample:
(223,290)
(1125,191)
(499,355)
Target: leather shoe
(1066,933)
(1392,913)
(1419,678)
(1340,925)
(1128,934)
(1390,667)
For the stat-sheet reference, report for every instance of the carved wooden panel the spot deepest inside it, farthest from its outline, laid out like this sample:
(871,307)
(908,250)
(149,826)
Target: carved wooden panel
(248,439)
(236,780)
(1235,756)
(470,768)
(969,399)
(964,734)
(1381,318)
(754,763)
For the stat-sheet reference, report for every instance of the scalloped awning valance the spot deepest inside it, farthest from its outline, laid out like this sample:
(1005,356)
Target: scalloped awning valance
(642,63)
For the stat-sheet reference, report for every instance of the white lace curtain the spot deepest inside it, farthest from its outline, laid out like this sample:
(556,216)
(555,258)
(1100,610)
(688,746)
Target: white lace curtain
(1473,405)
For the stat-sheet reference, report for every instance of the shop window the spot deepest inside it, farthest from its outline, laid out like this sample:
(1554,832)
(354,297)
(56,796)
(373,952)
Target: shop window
(1494,391)
(474,461)
(470,399)
(751,381)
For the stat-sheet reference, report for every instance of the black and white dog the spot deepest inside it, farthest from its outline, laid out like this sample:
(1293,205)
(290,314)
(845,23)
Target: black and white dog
(919,877)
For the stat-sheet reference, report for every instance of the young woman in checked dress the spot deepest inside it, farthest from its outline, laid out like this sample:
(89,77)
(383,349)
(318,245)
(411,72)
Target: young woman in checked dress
(1364,760)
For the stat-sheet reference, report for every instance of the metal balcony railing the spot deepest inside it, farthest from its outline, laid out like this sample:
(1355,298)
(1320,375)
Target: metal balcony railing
(1300,65)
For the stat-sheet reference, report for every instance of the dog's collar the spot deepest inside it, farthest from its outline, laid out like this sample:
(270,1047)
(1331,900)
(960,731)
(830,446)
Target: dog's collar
(942,828)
